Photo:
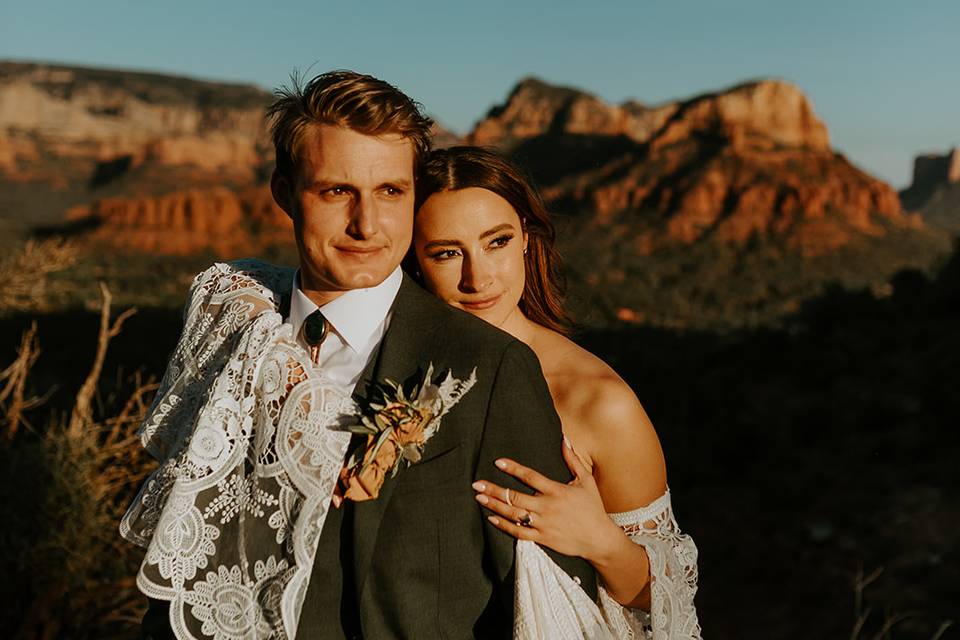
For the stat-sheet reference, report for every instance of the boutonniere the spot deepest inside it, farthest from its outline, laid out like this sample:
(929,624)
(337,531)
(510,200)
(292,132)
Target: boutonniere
(398,420)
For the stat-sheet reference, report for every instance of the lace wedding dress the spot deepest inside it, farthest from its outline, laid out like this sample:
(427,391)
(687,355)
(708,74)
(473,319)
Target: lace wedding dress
(549,604)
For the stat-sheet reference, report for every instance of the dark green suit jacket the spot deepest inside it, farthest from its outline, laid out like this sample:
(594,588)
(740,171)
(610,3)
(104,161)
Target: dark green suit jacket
(421,560)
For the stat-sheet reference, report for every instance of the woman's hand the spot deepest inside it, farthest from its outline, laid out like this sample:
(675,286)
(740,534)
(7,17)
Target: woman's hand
(568,518)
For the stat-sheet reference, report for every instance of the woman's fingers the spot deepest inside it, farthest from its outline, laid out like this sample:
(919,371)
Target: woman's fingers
(509,497)
(574,463)
(509,512)
(514,529)
(527,476)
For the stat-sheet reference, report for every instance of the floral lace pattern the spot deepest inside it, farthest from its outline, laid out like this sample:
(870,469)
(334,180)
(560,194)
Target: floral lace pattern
(572,615)
(250,439)
(242,429)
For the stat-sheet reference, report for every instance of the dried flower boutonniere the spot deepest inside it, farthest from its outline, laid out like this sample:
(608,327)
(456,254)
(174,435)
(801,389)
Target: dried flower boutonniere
(397,419)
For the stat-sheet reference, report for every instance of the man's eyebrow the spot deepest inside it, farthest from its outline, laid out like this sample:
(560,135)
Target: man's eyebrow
(325,183)
(402,183)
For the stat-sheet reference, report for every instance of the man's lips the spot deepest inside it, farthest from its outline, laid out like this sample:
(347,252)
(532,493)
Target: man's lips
(359,251)
(481,303)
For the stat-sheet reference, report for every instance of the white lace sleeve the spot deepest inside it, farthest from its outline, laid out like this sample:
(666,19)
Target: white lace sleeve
(673,577)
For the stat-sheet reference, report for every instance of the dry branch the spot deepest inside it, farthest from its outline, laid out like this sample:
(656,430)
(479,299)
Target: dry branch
(82,414)
(15,377)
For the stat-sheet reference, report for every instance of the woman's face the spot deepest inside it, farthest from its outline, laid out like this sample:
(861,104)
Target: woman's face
(470,245)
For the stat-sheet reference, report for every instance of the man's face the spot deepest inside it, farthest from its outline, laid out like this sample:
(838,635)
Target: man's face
(352,208)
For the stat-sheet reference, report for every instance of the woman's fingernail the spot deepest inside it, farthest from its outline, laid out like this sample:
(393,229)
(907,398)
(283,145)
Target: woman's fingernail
(479,486)
(493,520)
(482,499)
(566,441)
(501,463)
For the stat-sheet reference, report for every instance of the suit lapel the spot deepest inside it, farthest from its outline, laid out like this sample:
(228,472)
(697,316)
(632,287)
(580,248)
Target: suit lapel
(403,351)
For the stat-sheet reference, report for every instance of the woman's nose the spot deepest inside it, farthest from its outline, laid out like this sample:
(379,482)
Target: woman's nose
(476,275)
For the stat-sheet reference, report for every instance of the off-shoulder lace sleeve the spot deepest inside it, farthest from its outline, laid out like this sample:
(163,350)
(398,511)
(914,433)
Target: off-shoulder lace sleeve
(673,577)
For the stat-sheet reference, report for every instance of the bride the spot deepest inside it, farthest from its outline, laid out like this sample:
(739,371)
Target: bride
(483,242)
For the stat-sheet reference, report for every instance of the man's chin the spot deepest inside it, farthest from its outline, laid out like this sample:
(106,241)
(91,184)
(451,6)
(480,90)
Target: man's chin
(364,280)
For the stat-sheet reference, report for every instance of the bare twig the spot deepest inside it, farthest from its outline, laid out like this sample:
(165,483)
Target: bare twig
(15,377)
(82,415)
(942,629)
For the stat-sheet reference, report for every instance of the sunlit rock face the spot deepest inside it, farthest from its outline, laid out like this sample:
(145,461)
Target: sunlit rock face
(93,118)
(750,161)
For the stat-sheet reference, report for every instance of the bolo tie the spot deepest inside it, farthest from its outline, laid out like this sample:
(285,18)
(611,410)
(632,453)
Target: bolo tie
(315,330)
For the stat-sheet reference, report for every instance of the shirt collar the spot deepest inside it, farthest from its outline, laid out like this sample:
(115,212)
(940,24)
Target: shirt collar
(355,315)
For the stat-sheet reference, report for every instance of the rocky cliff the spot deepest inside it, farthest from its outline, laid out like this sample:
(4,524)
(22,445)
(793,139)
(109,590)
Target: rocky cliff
(934,192)
(753,160)
(159,163)
(97,124)
(228,222)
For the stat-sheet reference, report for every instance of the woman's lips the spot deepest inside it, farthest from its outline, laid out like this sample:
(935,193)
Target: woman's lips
(479,305)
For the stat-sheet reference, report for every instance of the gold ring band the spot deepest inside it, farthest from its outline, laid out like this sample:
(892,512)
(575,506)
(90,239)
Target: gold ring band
(508,498)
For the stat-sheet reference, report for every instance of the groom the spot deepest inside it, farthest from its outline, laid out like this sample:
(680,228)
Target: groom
(420,560)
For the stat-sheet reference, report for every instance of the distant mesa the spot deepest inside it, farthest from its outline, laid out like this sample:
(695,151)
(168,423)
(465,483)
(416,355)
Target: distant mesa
(753,160)
(935,190)
(766,112)
(52,117)
(228,222)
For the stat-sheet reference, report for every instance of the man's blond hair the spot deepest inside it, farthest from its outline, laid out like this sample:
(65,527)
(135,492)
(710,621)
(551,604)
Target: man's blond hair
(359,102)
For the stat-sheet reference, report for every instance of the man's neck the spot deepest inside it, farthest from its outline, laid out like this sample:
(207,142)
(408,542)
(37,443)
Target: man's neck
(319,297)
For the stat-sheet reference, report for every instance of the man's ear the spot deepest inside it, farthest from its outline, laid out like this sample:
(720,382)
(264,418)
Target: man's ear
(282,192)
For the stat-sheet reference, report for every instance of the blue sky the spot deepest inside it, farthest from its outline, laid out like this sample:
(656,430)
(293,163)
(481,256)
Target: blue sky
(885,76)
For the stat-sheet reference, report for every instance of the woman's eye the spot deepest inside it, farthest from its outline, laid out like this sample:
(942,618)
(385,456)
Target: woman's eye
(501,241)
(446,254)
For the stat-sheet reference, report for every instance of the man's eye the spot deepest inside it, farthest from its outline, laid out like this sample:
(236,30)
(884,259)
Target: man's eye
(338,191)
(393,191)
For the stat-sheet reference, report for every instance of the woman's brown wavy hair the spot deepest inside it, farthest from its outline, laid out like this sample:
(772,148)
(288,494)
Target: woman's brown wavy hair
(465,167)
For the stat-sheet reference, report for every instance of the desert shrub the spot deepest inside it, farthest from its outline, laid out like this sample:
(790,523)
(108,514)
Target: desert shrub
(63,488)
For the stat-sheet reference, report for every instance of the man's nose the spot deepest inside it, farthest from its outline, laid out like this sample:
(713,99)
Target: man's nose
(476,274)
(364,219)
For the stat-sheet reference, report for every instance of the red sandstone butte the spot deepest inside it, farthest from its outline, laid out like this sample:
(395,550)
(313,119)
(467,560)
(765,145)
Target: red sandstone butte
(751,160)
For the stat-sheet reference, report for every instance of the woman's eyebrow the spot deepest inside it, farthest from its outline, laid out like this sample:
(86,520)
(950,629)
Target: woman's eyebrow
(496,229)
(442,243)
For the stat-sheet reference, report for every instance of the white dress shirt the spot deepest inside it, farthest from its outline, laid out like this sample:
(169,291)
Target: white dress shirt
(358,320)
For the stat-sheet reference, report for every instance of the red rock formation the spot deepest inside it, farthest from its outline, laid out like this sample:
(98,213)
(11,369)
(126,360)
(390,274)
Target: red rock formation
(51,115)
(218,219)
(751,160)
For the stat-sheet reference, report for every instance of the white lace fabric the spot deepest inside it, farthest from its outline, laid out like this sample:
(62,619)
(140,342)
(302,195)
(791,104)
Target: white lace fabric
(550,605)
(248,462)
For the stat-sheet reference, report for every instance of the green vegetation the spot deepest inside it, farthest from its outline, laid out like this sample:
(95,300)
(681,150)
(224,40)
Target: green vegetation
(716,286)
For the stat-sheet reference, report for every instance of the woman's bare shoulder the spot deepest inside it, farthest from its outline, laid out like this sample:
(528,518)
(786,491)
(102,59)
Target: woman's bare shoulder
(608,425)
